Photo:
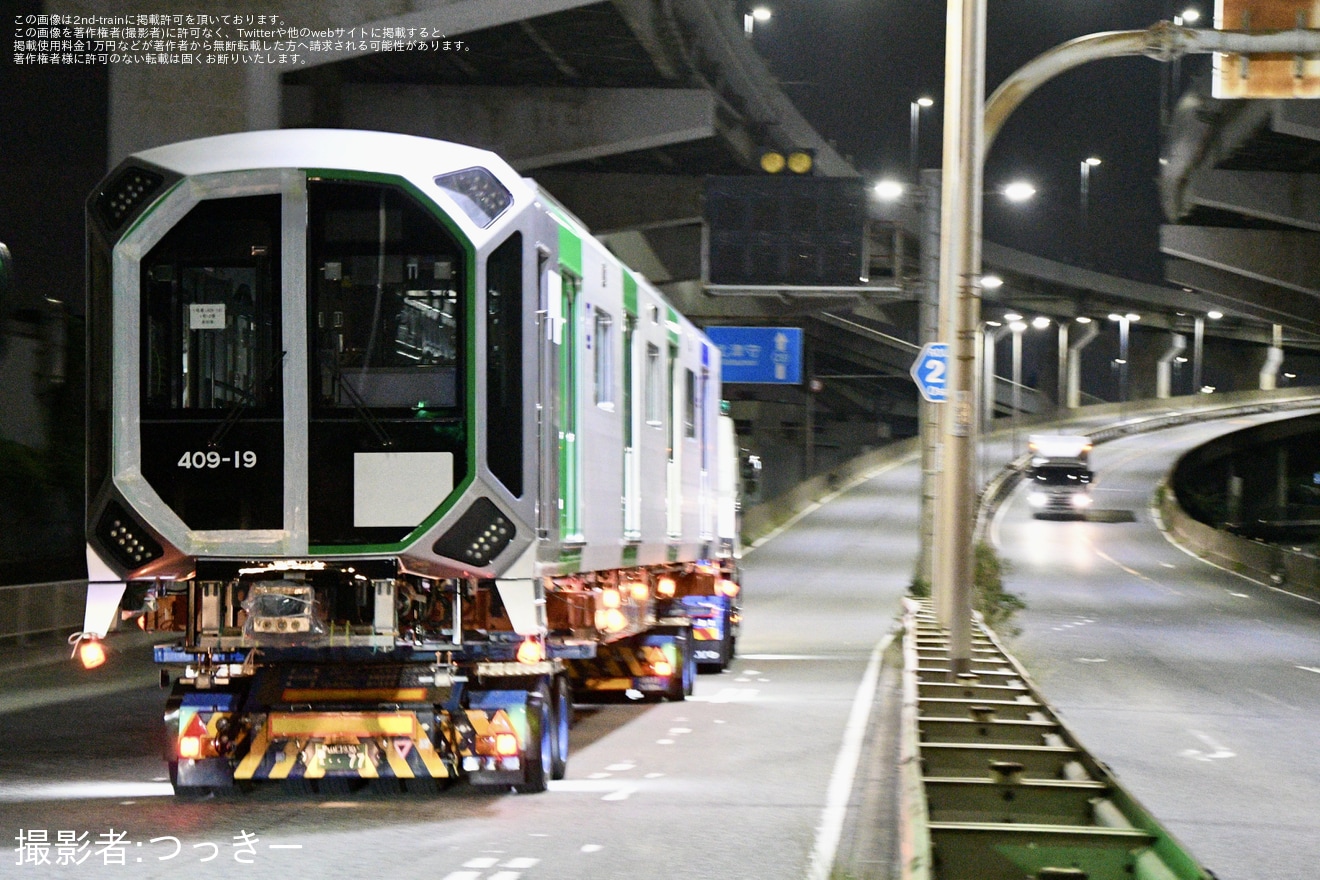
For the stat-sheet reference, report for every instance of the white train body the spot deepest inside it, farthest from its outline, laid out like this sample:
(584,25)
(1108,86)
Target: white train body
(396,372)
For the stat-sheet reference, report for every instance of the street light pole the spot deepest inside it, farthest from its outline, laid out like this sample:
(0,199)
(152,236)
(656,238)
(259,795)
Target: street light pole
(914,129)
(1085,198)
(1124,323)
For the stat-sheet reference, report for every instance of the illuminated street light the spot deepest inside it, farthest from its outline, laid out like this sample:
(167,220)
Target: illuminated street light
(991,282)
(1214,314)
(1084,197)
(1018,191)
(914,126)
(889,190)
(759,14)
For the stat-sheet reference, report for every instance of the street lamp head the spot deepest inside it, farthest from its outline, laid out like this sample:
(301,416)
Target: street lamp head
(1091,161)
(889,190)
(1018,326)
(1040,322)
(1190,15)
(1018,191)
(1012,318)
(1114,316)
(1214,314)
(924,101)
(761,13)
(991,282)
(1131,317)
(1082,319)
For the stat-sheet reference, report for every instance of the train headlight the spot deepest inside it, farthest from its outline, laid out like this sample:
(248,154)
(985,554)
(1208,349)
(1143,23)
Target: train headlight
(1037,499)
(1081,500)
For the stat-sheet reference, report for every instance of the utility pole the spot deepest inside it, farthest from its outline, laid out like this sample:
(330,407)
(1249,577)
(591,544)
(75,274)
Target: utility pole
(968,134)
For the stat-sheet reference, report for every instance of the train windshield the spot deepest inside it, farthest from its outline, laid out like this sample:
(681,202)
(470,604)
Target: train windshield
(210,303)
(384,300)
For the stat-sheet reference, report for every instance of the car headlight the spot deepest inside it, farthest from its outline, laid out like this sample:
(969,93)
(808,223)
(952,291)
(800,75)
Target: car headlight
(1081,500)
(1037,499)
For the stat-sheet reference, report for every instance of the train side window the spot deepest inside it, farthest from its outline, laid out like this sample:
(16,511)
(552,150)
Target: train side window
(504,386)
(655,387)
(604,345)
(689,404)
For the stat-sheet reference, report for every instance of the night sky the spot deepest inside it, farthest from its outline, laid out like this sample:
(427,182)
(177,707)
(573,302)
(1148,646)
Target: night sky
(853,68)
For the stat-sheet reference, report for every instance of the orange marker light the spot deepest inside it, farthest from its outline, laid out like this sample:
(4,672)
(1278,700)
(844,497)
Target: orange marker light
(663,668)
(190,746)
(530,651)
(506,744)
(666,586)
(91,653)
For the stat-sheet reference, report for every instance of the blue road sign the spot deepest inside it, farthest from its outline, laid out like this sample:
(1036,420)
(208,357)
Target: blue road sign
(931,371)
(770,355)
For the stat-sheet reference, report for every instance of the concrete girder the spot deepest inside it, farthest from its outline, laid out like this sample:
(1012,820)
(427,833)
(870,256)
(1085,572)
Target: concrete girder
(690,298)
(1290,199)
(153,104)
(1251,297)
(609,203)
(1283,258)
(534,127)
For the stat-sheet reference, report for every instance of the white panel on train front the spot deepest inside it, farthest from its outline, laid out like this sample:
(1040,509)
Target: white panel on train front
(399,489)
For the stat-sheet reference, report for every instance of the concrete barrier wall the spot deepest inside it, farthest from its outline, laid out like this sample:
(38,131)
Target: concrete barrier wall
(1293,569)
(33,610)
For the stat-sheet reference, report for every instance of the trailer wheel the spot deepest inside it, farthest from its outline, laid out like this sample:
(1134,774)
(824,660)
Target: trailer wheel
(561,718)
(680,686)
(538,757)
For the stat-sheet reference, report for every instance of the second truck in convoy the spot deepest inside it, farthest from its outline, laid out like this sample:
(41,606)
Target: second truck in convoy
(1059,475)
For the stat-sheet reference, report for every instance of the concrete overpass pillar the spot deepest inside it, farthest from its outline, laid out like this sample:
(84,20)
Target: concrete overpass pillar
(1269,373)
(1164,369)
(1089,332)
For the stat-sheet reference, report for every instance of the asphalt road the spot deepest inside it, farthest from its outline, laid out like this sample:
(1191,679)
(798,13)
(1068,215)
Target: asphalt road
(744,780)
(1199,688)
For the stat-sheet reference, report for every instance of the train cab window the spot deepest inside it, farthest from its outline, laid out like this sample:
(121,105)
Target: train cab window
(604,360)
(384,300)
(689,404)
(655,387)
(504,386)
(210,309)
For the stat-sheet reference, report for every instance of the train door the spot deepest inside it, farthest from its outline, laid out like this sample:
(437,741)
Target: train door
(211,428)
(632,428)
(560,483)
(674,468)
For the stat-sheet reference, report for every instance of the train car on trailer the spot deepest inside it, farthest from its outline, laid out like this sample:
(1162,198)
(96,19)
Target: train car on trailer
(408,460)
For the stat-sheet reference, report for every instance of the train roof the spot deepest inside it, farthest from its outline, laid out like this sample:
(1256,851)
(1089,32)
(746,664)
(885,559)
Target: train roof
(378,152)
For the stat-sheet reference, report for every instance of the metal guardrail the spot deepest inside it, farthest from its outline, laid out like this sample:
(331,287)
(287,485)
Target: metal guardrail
(996,787)
(29,610)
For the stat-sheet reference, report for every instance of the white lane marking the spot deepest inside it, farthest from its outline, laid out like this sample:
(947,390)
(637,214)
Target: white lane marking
(723,695)
(480,863)
(674,731)
(839,792)
(1092,660)
(506,875)
(462,875)
(621,794)
(1310,669)
(24,792)
(621,767)
(664,742)
(521,864)
(1217,750)
(591,848)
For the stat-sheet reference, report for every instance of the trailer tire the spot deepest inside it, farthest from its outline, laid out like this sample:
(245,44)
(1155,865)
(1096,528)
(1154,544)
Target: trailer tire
(561,716)
(680,687)
(538,757)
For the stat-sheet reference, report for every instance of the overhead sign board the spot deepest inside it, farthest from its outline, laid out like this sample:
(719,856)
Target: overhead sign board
(931,371)
(766,355)
(1267,75)
(784,231)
